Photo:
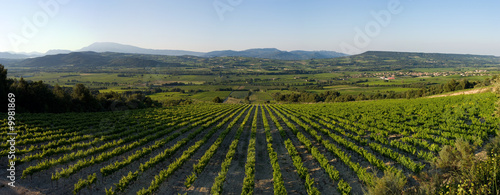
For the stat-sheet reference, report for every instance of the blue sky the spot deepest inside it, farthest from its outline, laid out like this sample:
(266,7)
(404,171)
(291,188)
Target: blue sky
(338,25)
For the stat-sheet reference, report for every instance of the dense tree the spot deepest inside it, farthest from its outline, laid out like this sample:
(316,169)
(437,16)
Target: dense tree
(450,86)
(217,99)
(80,92)
(175,102)
(41,97)
(3,82)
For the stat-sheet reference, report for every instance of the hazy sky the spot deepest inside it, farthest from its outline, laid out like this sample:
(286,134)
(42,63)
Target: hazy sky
(204,25)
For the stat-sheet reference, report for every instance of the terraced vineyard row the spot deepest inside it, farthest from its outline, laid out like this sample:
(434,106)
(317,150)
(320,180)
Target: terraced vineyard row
(243,149)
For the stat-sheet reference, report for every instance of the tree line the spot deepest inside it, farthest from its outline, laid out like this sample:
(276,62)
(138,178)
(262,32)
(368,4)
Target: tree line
(38,97)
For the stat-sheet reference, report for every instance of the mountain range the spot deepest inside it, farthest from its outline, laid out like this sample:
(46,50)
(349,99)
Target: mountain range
(368,61)
(273,53)
(267,53)
(90,59)
(12,55)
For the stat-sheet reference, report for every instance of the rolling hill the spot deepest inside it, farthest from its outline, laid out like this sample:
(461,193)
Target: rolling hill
(368,61)
(91,59)
(273,53)
(388,60)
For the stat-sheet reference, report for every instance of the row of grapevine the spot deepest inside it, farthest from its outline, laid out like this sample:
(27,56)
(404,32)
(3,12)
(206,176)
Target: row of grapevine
(248,181)
(123,183)
(301,170)
(102,157)
(294,155)
(198,168)
(109,169)
(405,161)
(372,159)
(278,184)
(320,158)
(360,171)
(165,173)
(221,177)
(107,135)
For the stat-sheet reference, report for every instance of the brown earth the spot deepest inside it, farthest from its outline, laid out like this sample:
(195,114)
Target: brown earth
(473,91)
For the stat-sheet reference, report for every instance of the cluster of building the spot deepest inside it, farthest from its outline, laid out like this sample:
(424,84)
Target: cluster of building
(388,78)
(393,75)
(385,75)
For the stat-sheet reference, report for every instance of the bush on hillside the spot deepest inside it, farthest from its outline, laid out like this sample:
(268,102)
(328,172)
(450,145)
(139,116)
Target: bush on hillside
(390,184)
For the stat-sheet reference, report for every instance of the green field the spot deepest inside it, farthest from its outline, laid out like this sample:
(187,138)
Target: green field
(202,84)
(239,94)
(209,96)
(203,96)
(107,82)
(168,95)
(261,97)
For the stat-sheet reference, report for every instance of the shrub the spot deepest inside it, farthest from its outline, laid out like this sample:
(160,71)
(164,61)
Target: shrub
(461,173)
(217,99)
(482,177)
(455,158)
(390,183)
(493,147)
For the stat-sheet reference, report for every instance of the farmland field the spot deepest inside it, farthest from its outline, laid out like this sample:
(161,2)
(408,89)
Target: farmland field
(203,88)
(329,148)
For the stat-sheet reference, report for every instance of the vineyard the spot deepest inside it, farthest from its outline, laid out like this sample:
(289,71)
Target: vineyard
(335,148)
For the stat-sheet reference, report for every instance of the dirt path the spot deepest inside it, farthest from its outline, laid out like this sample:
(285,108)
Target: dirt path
(263,167)
(19,189)
(227,97)
(473,91)
(236,172)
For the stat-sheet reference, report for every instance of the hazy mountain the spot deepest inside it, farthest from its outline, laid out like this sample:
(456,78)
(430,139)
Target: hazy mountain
(57,51)
(317,54)
(268,53)
(91,59)
(9,61)
(23,55)
(71,59)
(120,48)
(12,55)
(273,53)
(31,54)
